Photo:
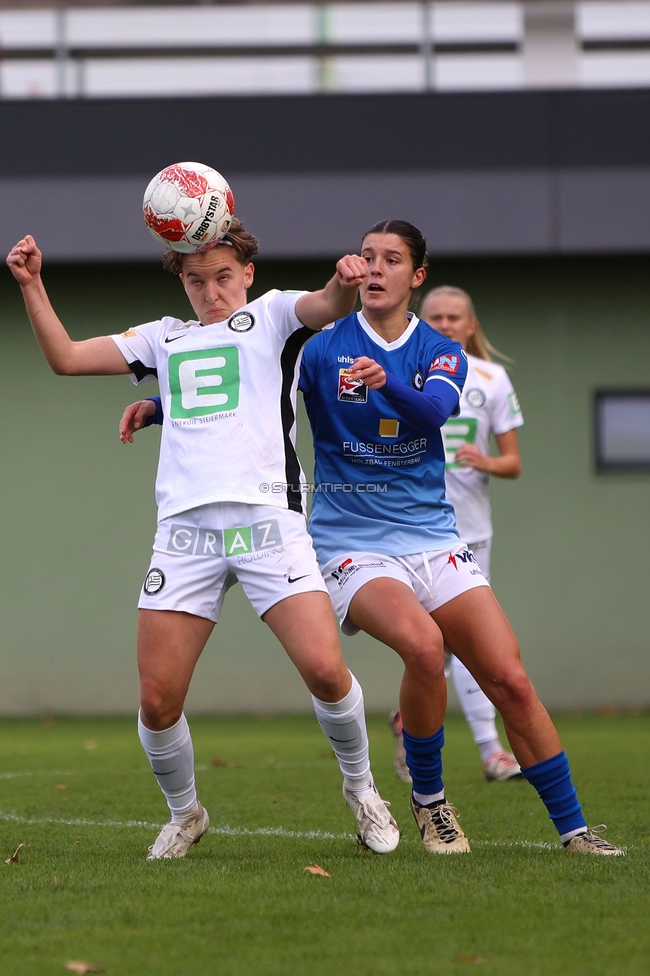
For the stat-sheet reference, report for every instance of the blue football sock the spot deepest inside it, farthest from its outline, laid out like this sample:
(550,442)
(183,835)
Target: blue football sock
(552,780)
(424,761)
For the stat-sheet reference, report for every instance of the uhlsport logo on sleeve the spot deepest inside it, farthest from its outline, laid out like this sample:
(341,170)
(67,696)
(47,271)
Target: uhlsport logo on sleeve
(351,390)
(448,363)
(204,381)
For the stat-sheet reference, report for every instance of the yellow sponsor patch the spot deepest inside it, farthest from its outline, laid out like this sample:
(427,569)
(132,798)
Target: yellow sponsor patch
(388,428)
(129,334)
(483,373)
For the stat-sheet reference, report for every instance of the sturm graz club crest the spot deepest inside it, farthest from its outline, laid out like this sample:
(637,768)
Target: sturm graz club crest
(241,322)
(475,398)
(154,582)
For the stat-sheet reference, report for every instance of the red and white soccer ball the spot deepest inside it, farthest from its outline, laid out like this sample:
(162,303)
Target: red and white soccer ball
(188,207)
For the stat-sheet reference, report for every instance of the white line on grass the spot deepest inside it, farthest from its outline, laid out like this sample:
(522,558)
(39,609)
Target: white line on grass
(228,831)
(45,772)
(225,829)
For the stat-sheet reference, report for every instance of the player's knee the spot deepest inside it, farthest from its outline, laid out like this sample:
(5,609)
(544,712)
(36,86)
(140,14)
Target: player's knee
(158,712)
(328,680)
(423,657)
(518,689)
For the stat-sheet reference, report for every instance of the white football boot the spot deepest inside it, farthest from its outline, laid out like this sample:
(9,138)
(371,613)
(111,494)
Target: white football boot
(377,828)
(175,840)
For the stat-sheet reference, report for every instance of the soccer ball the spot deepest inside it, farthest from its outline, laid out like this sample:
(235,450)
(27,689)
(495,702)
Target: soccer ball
(188,207)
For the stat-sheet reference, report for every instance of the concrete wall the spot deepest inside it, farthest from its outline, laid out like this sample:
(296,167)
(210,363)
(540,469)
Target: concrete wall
(77,519)
(562,172)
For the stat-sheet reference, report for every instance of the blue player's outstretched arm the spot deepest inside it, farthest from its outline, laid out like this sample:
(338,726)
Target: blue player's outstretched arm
(427,409)
(158,417)
(141,414)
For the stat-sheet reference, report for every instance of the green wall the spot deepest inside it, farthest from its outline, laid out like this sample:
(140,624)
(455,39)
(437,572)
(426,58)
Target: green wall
(570,558)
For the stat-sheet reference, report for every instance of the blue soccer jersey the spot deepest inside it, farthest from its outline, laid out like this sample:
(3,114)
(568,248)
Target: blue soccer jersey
(380,481)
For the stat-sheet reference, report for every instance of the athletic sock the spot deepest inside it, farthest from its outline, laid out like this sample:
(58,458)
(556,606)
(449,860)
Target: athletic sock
(424,760)
(552,780)
(344,724)
(487,749)
(171,755)
(477,709)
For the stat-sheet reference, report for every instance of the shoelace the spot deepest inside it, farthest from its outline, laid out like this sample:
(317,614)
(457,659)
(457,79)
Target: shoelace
(598,841)
(442,818)
(169,836)
(374,809)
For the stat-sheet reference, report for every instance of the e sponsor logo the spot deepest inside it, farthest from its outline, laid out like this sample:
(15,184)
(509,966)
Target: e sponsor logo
(456,432)
(204,381)
(514,404)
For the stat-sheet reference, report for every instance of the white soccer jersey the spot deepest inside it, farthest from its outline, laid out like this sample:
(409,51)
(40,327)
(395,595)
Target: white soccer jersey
(228,392)
(488,405)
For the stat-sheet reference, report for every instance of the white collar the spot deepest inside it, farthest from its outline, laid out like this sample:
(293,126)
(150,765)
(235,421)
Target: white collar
(377,339)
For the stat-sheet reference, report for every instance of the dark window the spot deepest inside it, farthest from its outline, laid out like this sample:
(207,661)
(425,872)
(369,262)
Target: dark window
(622,430)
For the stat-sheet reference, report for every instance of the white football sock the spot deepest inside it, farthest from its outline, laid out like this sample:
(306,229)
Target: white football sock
(477,708)
(344,724)
(171,755)
(426,799)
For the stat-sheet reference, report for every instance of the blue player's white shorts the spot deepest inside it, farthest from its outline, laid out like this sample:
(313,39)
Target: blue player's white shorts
(198,555)
(436,577)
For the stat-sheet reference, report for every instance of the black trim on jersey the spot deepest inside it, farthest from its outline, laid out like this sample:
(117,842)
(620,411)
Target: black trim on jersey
(139,370)
(288,360)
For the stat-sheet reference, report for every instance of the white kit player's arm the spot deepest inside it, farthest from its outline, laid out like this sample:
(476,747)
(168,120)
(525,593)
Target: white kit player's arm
(506,465)
(337,299)
(505,418)
(98,356)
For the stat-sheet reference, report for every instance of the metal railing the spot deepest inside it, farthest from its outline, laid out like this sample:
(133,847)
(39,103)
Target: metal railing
(73,52)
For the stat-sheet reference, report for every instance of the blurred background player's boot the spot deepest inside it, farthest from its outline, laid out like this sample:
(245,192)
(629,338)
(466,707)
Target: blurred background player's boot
(399,762)
(500,766)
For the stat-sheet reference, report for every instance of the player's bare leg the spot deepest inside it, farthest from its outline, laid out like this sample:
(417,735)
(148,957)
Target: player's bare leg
(477,631)
(389,611)
(169,645)
(306,627)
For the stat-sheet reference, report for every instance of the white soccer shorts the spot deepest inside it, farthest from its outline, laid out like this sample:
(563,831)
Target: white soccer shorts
(436,577)
(198,555)
(482,553)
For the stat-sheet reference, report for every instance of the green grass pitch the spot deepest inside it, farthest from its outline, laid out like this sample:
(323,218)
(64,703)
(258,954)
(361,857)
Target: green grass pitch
(78,794)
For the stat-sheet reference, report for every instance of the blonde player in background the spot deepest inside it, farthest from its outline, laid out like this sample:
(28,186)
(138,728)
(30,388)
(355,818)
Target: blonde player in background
(488,406)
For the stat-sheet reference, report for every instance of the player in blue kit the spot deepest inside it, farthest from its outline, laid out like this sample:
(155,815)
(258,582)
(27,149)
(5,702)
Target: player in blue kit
(378,387)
